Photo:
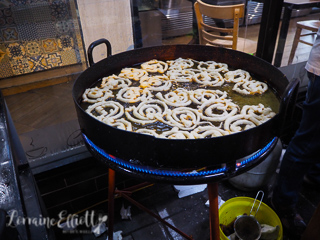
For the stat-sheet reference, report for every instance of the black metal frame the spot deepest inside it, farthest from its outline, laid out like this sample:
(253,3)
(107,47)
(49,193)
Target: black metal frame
(26,198)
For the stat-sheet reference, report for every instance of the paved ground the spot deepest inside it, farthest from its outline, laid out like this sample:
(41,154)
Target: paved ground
(189,214)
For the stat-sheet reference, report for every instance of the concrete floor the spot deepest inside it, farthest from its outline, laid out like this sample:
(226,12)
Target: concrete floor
(190,214)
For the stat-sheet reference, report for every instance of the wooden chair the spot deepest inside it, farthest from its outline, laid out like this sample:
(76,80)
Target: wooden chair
(211,35)
(310,25)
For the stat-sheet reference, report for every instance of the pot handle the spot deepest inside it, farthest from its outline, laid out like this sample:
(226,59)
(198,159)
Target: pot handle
(96,43)
(287,105)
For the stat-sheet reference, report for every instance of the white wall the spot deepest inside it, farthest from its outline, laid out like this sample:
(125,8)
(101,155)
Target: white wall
(110,19)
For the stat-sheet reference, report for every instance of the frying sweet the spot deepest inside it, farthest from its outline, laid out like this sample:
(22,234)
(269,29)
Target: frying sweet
(178,99)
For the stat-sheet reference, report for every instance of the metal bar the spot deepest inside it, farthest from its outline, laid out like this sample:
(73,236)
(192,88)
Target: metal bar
(213,211)
(269,29)
(153,214)
(111,191)
(136,24)
(138,187)
(283,35)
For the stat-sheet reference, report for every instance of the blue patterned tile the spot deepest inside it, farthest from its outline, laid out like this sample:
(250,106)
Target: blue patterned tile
(78,55)
(64,26)
(38,1)
(6,17)
(68,57)
(46,30)
(6,12)
(36,12)
(9,34)
(37,35)
(19,2)
(34,31)
(49,45)
(2,21)
(27,31)
(33,48)
(20,66)
(66,42)
(10,21)
(15,50)
(5,69)
(40,12)
(21,15)
(37,63)
(3,52)
(59,10)
(53,60)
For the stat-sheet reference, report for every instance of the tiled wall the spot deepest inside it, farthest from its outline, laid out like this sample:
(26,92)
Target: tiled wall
(37,35)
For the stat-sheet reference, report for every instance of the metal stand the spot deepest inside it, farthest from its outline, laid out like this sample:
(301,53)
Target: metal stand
(213,213)
(210,177)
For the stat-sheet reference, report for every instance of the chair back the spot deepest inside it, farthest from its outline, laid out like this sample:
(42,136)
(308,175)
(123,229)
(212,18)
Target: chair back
(218,36)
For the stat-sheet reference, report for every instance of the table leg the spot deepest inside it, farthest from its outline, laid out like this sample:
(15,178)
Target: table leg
(283,35)
(111,189)
(214,211)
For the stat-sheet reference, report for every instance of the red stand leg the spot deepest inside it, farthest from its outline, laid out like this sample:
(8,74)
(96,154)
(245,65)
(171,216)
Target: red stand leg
(111,189)
(214,211)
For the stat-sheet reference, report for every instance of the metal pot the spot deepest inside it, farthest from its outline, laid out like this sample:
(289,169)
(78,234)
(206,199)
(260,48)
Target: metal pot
(190,153)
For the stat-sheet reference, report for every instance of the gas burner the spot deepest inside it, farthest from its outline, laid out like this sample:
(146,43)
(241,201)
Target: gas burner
(181,176)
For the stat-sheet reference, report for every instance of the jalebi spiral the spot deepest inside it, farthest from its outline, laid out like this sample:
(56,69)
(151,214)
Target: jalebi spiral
(115,82)
(156,83)
(258,113)
(180,64)
(238,123)
(102,110)
(133,73)
(118,123)
(218,110)
(184,117)
(147,112)
(177,99)
(237,76)
(212,66)
(208,131)
(250,87)
(181,75)
(93,95)
(175,133)
(201,95)
(212,79)
(133,94)
(154,66)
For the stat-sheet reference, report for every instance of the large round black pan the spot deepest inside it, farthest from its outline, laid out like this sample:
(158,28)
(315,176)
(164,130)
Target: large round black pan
(189,153)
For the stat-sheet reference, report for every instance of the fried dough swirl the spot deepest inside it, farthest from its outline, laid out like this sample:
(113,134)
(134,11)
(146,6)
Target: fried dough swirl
(177,99)
(93,95)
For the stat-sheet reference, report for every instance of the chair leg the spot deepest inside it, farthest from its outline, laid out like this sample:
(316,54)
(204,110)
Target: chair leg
(295,44)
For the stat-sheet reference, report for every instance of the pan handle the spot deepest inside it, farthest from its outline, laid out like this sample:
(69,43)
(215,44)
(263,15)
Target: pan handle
(287,106)
(96,43)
